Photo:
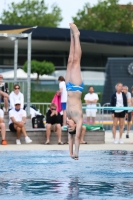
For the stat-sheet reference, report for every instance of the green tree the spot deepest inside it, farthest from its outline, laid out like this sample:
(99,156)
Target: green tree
(31,13)
(107,15)
(40,67)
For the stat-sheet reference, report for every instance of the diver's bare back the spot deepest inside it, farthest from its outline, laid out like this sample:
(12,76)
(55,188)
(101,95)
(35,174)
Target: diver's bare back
(74,106)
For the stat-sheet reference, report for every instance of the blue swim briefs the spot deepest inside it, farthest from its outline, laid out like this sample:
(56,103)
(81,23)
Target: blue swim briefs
(72,87)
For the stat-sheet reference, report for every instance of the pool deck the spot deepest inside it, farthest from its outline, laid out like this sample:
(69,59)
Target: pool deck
(109,145)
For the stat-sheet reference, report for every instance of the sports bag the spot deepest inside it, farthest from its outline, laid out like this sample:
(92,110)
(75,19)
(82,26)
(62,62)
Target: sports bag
(37,121)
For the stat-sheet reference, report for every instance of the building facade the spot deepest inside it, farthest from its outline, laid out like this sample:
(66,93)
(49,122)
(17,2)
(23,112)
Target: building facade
(52,44)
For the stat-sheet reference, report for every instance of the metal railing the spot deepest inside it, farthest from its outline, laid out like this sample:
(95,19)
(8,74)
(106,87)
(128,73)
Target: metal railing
(103,115)
(23,86)
(23,89)
(41,107)
(106,117)
(98,116)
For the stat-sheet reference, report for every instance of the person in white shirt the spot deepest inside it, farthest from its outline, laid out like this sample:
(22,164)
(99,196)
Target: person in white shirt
(91,99)
(63,93)
(17,120)
(16,95)
(3,128)
(4,94)
(119,100)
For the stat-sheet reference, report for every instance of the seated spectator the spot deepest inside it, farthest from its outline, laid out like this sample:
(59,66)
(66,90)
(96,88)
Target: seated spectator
(82,141)
(2,127)
(70,122)
(53,117)
(4,94)
(16,95)
(17,121)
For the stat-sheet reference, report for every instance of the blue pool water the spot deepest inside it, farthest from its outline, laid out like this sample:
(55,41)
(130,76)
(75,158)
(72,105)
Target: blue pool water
(39,175)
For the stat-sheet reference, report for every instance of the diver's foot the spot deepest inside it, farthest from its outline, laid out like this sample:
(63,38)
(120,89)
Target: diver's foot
(74,29)
(74,157)
(71,33)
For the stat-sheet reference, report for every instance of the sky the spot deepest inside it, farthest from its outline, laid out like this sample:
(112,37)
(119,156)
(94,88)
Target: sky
(69,7)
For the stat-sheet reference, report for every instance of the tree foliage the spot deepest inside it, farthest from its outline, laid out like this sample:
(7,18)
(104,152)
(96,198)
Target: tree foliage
(107,15)
(40,68)
(31,13)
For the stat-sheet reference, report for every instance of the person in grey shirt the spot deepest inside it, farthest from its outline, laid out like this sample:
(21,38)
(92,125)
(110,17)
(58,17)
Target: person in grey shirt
(129,117)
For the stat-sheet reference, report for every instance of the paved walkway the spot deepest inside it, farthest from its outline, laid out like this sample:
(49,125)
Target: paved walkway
(109,145)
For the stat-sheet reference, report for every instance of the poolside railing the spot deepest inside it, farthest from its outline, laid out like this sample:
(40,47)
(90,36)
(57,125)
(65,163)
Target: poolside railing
(103,115)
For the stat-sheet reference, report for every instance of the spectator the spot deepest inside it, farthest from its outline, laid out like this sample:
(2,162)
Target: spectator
(129,117)
(4,94)
(17,121)
(132,102)
(118,99)
(2,127)
(91,99)
(63,93)
(16,95)
(83,131)
(70,122)
(53,117)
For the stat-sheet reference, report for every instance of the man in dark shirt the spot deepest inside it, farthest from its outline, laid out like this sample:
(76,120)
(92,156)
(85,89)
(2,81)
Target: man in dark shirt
(53,117)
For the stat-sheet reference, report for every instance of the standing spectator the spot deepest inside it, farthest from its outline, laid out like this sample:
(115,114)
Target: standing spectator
(91,99)
(4,94)
(118,99)
(129,117)
(2,127)
(53,117)
(132,102)
(17,121)
(16,95)
(63,93)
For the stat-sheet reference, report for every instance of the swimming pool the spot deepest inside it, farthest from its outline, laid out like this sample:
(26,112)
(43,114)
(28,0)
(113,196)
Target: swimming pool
(39,175)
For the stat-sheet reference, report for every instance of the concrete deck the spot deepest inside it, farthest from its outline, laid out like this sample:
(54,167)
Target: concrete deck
(109,145)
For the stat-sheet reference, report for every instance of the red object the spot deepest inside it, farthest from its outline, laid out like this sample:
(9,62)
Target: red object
(4,142)
(57,101)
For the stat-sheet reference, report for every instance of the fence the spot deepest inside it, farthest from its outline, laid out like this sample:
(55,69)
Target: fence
(42,107)
(98,116)
(23,88)
(106,117)
(103,116)
(21,83)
